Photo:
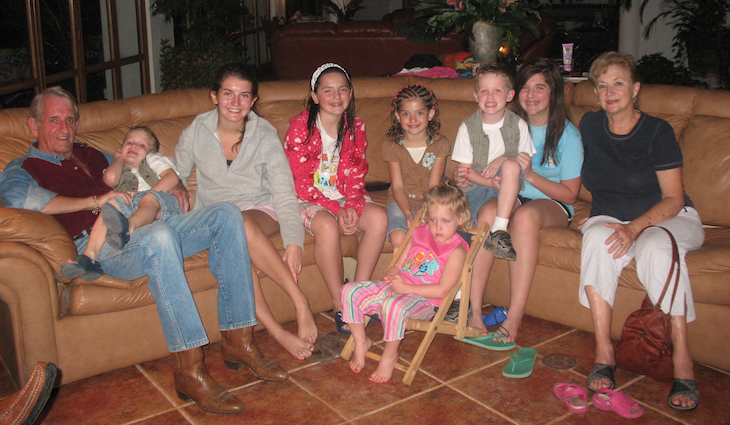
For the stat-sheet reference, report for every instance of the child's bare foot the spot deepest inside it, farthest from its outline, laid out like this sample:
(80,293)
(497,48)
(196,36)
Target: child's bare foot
(296,346)
(385,368)
(476,322)
(307,327)
(358,356)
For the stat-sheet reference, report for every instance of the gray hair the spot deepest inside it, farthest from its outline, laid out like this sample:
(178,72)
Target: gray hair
(36,106)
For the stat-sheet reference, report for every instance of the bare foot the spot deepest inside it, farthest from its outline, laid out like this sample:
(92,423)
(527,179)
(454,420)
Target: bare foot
(358,356)
(385,368)
(296,346)
(307,327)
(509,329)
(476,322)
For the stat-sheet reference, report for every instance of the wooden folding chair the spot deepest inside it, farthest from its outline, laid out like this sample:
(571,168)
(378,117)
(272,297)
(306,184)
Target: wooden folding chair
(437,325)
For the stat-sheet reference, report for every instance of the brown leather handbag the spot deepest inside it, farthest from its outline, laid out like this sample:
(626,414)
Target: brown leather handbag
(646,339)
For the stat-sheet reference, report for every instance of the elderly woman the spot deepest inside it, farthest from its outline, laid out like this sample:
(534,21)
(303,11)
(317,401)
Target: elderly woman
(633,168)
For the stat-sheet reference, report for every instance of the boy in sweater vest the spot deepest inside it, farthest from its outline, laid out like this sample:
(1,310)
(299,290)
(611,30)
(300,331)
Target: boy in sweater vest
(485,149)
(144,176)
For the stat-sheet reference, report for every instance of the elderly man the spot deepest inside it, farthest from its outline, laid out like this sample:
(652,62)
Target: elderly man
(64,179)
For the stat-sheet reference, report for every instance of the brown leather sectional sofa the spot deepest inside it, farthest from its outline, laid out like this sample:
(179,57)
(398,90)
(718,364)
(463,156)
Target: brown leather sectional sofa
(87,328)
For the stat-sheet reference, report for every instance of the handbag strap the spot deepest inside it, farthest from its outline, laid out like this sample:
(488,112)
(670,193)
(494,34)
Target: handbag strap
(675,266)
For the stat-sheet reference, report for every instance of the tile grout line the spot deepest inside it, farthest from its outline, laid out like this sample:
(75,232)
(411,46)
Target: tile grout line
(164,394)
(486,406)
(410,397)
(306,390)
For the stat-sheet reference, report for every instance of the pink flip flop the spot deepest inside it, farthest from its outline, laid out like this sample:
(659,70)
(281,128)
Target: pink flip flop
(615,401)
(574,397)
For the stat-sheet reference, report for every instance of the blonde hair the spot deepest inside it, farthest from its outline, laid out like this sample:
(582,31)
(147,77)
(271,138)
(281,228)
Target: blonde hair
(155,143)
(601,64)
(498,69)
(452,198)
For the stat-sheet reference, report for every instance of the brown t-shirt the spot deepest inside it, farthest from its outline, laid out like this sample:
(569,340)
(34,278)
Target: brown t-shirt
(415,175)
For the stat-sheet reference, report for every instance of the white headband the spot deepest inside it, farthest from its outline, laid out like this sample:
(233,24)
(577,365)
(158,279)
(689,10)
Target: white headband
(323,68)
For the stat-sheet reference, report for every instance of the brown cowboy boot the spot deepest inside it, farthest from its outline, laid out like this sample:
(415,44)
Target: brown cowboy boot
(193,383)
(239,350)
(24,406)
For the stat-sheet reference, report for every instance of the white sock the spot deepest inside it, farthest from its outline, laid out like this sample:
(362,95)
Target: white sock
(499,224)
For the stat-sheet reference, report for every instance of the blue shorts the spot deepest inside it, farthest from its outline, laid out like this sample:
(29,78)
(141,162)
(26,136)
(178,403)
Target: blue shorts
(396,219)
(169,205)
(478,195)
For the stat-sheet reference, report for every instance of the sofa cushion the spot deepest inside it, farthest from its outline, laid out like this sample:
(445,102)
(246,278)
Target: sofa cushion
(707,137)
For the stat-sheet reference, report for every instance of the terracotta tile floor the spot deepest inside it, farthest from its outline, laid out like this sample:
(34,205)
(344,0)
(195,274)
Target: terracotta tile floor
(458,384)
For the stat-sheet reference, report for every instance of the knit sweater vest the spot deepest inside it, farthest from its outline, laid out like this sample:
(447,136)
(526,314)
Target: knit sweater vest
(128,181)
(480,141)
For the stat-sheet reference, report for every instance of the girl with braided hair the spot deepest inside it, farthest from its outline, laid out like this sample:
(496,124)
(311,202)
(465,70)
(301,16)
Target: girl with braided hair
(416,156)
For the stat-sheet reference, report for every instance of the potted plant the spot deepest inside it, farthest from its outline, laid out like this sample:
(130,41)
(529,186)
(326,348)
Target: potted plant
(342,10)
(210,36)
(487,24)
(702,30)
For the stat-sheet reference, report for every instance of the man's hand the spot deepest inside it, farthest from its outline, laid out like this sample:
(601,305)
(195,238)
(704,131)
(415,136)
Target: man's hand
(182,195)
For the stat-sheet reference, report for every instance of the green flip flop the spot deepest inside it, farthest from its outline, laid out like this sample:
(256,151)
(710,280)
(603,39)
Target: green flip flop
(489,343)
(521,363)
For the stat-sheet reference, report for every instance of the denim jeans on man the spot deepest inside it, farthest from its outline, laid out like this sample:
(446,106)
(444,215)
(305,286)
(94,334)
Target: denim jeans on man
(157,250)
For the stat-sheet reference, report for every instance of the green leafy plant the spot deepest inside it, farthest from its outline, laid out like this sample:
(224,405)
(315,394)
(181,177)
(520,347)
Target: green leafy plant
(658,69)
(195,63)
(435,18)
(211,37)
(702,32)
(343,13)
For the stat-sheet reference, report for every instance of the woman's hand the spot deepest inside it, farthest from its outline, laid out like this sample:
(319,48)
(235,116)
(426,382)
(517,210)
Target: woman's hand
(182,195)
(525,161)
(581,223)
(348,220)
(621,239)
(396,282)
(293,258)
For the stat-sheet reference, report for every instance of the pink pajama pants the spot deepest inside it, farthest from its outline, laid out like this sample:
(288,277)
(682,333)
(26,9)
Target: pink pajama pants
(366,297)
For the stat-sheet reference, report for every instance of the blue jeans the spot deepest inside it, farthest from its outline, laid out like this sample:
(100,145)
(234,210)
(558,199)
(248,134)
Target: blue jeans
(169,206)
(477,196)
(157,250)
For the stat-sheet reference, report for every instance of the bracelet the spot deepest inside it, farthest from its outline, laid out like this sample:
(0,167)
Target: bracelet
(95,211)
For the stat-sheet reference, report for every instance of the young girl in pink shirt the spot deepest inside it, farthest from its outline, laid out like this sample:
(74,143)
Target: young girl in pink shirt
(426,270)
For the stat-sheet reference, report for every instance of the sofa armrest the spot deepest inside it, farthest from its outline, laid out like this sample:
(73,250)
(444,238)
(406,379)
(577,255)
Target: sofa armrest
(46,235)
(39,231)
(29,298)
